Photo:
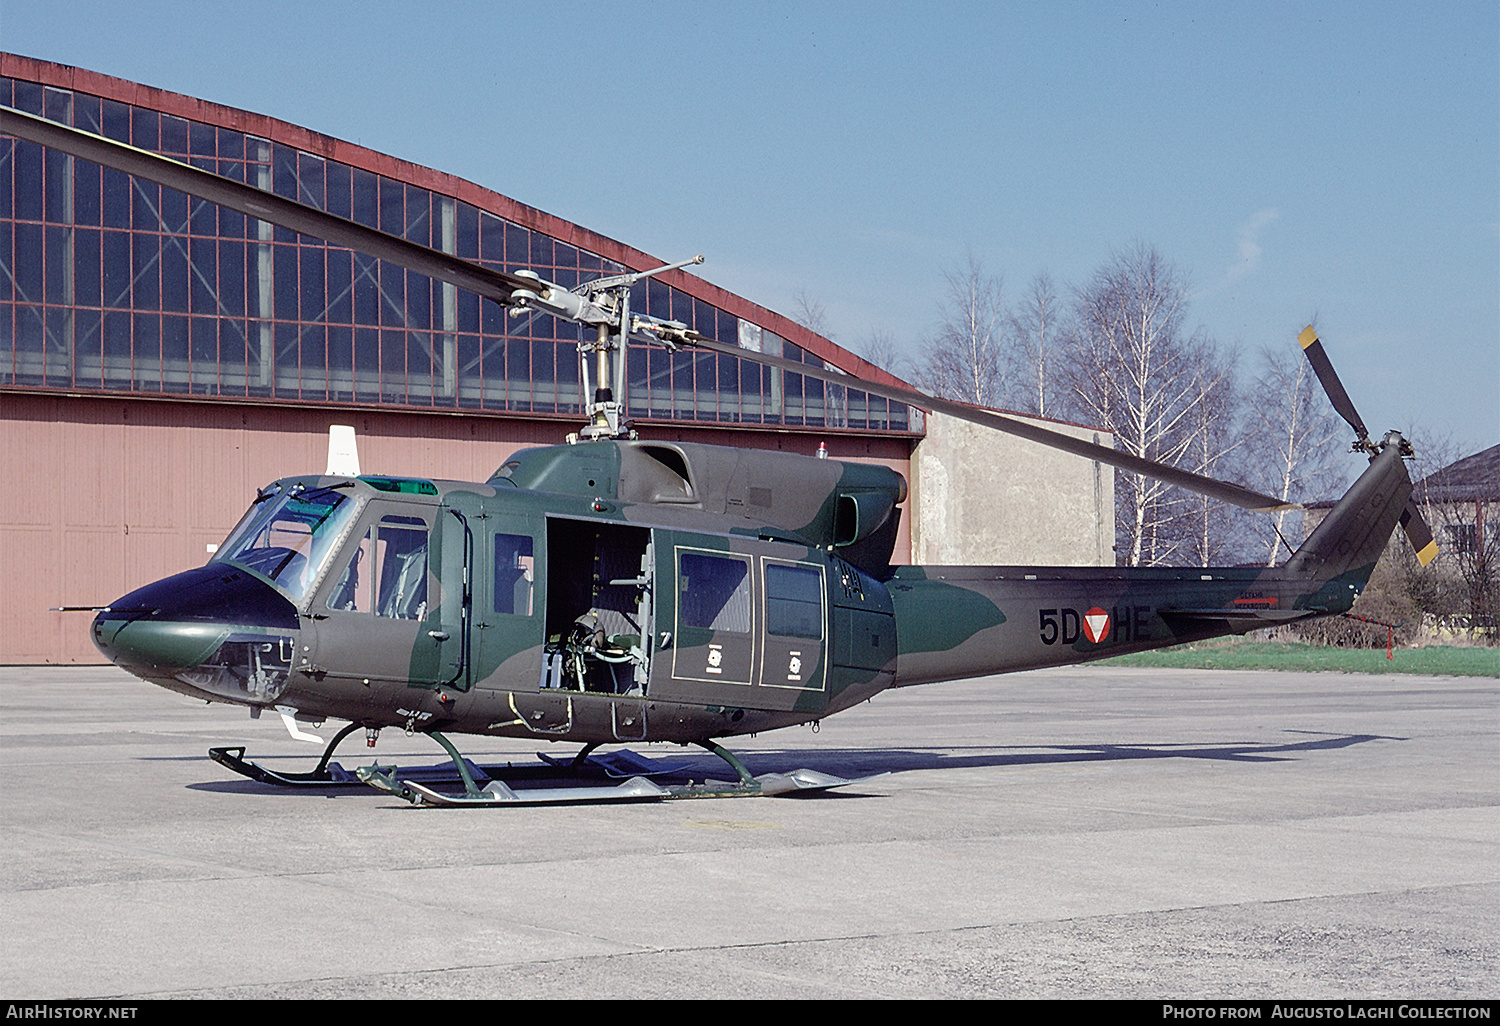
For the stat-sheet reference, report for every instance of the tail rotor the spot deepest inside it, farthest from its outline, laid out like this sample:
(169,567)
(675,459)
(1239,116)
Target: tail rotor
(1417,531)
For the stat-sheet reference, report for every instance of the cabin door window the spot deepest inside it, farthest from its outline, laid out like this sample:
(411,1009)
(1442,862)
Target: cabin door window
(796,625)
(714,610)
(515,574)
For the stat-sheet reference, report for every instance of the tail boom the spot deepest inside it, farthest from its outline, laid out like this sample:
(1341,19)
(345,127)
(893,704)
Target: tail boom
(957,622)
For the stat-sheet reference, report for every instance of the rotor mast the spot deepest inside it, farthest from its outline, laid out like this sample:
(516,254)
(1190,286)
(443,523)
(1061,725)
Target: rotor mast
(604,305)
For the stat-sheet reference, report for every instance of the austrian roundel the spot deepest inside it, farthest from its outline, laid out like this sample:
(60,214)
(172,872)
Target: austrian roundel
(1096,625)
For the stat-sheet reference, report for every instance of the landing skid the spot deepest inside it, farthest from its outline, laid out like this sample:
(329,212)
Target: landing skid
(606,778)
(330,775)
(322,776)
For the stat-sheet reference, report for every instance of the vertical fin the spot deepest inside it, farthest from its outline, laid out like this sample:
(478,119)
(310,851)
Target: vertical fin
(1357,530)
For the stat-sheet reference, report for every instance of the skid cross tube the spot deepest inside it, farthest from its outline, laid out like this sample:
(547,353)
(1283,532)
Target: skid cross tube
(458,760)
(734,763)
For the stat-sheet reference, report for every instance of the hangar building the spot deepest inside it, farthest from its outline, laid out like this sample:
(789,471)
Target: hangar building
(161,358)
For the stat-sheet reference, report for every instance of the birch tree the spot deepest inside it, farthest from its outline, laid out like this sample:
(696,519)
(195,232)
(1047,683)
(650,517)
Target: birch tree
(1132,370)
(1214,451)
(966,360)
(1295,439)
(1034,326)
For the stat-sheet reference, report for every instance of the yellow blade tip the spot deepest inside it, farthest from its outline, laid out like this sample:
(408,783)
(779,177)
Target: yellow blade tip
(1308,336)
(1428,554)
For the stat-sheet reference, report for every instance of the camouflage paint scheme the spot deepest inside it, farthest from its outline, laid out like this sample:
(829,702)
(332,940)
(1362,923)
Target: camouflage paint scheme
(620,591)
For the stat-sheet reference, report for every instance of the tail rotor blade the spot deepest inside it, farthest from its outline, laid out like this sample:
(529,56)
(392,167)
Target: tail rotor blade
(1419,534)
(1323,368)
(1416,528)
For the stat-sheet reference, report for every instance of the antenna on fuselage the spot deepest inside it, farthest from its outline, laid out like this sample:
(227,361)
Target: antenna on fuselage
(343,453)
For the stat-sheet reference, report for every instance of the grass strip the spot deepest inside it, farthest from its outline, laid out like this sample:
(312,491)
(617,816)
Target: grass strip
(1236,654)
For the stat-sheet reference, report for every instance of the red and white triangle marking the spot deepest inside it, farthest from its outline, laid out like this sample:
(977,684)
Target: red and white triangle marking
(1096,625)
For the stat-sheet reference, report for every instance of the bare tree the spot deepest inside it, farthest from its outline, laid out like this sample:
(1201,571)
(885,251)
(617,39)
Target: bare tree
(1295,439)
(1461,503)
(1034,326)
(966,359)
(1130,369)
(810,313)
(880,348)
(1211,423)
(1471,544)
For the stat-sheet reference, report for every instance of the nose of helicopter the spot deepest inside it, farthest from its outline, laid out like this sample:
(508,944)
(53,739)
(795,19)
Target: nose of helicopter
(215,629)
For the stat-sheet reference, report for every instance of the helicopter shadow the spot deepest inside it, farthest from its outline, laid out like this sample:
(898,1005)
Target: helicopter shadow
(858,765)
(865,761)
(253,787)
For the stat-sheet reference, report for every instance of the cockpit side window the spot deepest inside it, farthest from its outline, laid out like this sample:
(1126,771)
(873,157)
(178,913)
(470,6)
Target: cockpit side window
(387,572)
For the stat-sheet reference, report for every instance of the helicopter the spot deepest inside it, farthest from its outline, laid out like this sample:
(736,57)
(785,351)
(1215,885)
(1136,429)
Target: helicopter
(617,590)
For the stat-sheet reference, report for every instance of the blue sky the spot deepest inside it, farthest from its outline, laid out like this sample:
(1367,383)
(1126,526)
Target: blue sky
(1294,160)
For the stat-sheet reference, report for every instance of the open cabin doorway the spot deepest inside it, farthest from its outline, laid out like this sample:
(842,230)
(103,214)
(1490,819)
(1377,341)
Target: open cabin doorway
(599,607)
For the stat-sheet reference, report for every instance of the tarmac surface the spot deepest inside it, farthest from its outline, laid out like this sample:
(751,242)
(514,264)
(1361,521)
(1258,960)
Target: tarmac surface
(1085,832)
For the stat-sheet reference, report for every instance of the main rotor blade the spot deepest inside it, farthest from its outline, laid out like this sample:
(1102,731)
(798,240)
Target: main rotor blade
(264,206)
(1223,490)
(1323,368)
(499,286)
(1419,534)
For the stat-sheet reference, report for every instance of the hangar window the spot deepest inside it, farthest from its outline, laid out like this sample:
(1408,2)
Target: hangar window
(285,306)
